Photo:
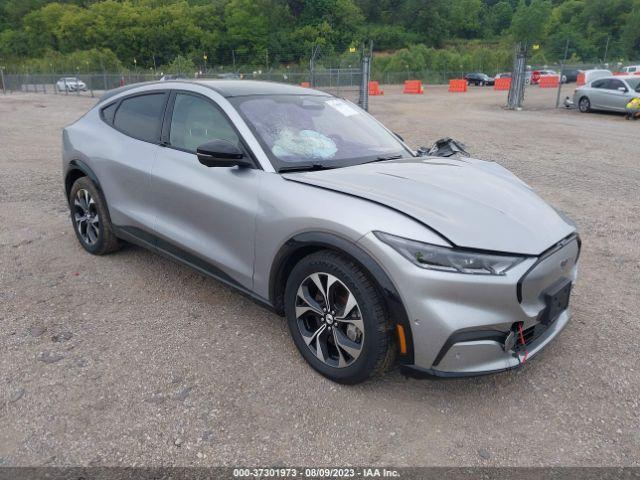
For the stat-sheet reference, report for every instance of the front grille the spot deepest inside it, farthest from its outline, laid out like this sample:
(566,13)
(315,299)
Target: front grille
(532,333)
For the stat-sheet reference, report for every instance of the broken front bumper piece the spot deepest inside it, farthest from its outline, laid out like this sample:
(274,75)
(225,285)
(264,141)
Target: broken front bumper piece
(445,147)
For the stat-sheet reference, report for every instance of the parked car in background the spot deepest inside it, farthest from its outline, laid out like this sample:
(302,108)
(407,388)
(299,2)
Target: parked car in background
(570,75)
(595,73)
(503,75)
(229,76)
(310,206)
(172,76)
(479,79)
(610,93)
(630,69)
(536,74)
(71,84)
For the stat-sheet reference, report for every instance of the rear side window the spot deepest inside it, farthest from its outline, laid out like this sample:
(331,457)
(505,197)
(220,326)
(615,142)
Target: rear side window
(599,84)
(108,112)
(140,116)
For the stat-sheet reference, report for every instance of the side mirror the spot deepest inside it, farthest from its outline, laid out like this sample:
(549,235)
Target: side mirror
(221,153)
(622,89)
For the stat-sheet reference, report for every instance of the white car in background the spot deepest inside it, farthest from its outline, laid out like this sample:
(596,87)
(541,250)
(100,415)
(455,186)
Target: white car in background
(596,73)
(630,69)
(71,84)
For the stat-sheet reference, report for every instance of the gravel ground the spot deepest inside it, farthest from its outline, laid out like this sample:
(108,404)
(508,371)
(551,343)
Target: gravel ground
(131,359)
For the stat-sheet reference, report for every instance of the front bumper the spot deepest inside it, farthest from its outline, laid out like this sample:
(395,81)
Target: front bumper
(489,356)
(460,323)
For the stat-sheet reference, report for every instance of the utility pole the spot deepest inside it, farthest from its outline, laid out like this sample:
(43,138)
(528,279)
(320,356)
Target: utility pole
(4,87)
(233,57)
(606,50)
(564,60)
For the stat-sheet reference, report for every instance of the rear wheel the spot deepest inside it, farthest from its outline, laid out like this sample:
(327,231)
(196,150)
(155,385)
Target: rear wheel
(90,218)
(584,105)
(338,319)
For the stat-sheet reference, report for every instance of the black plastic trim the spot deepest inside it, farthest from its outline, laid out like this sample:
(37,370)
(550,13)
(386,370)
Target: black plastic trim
(152,242)
(84,168)
(429,374)
(469,336)
(548,252)
(331,241)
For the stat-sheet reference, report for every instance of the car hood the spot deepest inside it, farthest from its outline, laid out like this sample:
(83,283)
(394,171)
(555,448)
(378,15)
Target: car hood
(472,203)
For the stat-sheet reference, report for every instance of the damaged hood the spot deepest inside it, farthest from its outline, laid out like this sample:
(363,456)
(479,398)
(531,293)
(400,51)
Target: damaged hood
(472,203)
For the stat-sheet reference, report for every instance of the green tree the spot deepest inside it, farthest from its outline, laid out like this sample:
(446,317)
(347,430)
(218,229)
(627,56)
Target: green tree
(465,18)
(247,26)
(631,33)
(529,21)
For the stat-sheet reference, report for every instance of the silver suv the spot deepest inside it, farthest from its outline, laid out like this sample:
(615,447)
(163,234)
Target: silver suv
(449,266)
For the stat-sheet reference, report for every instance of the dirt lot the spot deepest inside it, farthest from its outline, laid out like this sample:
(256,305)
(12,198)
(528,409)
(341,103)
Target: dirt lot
(130,359)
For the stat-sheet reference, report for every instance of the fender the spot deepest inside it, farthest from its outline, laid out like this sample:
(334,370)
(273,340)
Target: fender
(315,240)
(79,165)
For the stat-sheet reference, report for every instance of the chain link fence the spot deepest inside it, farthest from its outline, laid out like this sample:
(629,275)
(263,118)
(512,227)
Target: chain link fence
(338,81)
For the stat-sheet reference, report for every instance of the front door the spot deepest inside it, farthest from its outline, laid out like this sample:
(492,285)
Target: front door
(205,215)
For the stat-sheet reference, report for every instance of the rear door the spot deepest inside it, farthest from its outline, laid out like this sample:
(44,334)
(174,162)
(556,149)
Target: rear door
(129,155)
(205,216)
(598,94)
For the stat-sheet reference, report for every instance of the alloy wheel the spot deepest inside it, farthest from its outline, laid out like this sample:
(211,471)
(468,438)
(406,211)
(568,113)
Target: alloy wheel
(584,104)
(329,320)
(85,217)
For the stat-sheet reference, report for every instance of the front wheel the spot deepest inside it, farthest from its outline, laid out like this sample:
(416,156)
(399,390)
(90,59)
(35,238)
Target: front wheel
(338,319)
(584,105)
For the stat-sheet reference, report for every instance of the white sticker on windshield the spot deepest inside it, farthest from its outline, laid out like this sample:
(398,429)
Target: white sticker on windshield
(342,107)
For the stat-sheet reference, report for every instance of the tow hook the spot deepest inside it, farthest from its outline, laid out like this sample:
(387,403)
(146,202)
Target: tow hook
(509,342)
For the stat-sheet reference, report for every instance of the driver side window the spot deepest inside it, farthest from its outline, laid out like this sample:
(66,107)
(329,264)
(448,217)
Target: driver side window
(195,121)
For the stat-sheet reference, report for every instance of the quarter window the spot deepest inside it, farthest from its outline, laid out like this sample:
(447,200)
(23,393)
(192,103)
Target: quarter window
(140,116)
(196,121)
(108,112)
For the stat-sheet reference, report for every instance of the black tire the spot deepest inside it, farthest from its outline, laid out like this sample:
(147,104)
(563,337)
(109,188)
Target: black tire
(378,349)
(105,240)
(584,105)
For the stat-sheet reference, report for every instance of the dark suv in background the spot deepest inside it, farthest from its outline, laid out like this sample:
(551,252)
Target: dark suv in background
(480,79)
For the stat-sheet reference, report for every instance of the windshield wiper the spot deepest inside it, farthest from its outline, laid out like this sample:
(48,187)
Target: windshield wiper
(305,168)
(388,157)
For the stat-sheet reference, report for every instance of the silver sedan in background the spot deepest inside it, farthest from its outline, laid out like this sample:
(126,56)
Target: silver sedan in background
(71,84)
(609,93)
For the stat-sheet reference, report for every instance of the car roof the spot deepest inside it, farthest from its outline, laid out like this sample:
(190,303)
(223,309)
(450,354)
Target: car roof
(230,88)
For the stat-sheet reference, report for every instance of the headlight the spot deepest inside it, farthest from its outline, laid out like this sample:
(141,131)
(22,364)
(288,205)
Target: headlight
(435,257)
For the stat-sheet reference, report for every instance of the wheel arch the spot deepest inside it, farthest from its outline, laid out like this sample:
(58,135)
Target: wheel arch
(583,97)
(301,245)
(75,170)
